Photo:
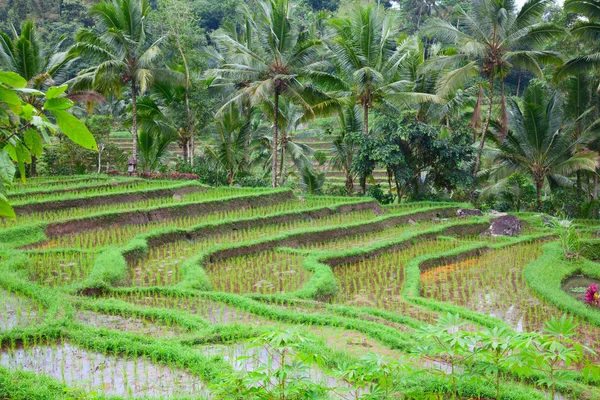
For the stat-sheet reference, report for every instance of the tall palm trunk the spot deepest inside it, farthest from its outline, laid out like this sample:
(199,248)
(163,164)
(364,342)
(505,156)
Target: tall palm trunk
(539,183)
(483,134)
(275,137)
(366,117)
(134,121)
(188,143)
(282,160)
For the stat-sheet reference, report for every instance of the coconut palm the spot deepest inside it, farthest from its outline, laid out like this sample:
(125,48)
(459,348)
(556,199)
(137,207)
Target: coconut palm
(367,60)
(587,28)
(232,138)
(121,48)
(268,60)
(24,55)
(343,149)
(538,144)
(494,36)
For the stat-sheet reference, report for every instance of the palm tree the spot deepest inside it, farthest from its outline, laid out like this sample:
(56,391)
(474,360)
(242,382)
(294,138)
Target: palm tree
(270,59)
(122,50)
(588,28)
(583,105)
(232,139)
(156,132)
(494,37)
(537,143)
(367,61)
(24,55)
(343,149)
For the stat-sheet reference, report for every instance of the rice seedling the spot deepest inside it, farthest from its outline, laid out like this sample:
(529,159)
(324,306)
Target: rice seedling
(57,268)
(128,324)
(51,216)
(162,265)
(212,311)
(120,235)
(71,187)
(378,281)
(103,373)
(370,238)
(493,284)
(268,272)
(17,311)
(97,191)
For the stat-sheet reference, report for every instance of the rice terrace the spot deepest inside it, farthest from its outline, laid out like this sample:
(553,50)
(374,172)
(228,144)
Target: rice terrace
(199,290)
(300,199)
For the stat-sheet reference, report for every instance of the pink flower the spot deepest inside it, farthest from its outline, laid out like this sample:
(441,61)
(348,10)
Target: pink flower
(592,297)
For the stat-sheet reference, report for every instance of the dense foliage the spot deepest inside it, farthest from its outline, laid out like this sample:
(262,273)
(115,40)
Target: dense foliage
(245,87)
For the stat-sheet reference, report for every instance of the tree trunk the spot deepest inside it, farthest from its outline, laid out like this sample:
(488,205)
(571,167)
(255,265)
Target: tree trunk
(349,184)
(281,162)
(539,183)
(190,120)
(363,183)
(275,138)
(33,167)
(134,130)
(483,134)
(365,118)
(596,185)
(185,147)
(192,151)
(519,84)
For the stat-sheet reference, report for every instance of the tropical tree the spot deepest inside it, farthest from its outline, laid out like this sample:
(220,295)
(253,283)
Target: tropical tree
(588,29)
(291,151)
(579,76)
(231,143)
(271,58)
(40,65)
(343,148)
(180,25)
(156,132)
(26,56)
(493,37)
(122,51)
(23,128)
(537,143)
(367,61)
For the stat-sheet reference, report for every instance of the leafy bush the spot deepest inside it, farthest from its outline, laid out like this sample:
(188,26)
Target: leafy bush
(377,193)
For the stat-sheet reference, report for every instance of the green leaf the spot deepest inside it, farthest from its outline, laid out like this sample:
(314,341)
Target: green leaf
(27,112)
(12,79)
(23,154)
(9,97)
(58,104)
(33,140)
(12,151)
(55,91)
(6,211)
(7,167)
(75,130)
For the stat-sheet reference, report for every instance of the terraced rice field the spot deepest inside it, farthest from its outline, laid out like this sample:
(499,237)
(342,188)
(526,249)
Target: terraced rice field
(161,297)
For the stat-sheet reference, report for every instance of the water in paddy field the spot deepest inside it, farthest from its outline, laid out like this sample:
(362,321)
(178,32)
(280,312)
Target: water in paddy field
(576,286)
(17,311)
(264,356)
(108,374)
(128,324)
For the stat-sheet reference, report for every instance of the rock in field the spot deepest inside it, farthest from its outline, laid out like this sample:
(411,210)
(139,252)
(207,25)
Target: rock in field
(465,212)
(507,225)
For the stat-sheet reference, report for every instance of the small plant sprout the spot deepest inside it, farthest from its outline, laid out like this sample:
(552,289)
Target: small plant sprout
(548,356)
